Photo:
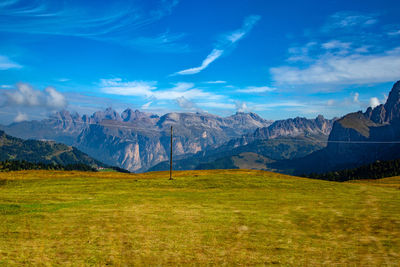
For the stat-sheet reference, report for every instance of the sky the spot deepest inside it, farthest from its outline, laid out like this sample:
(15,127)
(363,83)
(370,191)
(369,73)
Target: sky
(279,59)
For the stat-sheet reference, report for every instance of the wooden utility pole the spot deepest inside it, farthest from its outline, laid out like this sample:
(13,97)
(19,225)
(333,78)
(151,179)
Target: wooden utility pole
(170,159)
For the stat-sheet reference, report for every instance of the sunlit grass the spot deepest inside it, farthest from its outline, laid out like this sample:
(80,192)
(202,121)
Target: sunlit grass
(201,217)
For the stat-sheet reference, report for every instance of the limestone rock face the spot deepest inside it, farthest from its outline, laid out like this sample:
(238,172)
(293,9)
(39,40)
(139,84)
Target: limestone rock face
(392,106)
(390,110)
(297,127)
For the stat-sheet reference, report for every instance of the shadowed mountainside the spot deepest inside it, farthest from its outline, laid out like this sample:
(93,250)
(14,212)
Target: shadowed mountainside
(356,139)
(47,152)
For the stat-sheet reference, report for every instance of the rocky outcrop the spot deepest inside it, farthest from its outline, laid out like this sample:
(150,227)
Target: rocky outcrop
(356,139)
(389,111)
(296,127)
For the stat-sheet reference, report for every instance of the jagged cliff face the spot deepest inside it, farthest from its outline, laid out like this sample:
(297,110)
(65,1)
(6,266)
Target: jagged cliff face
(295,127)
(318,128)
(389,111)
(130,149)
(137,140)
(378,124)
(358,138)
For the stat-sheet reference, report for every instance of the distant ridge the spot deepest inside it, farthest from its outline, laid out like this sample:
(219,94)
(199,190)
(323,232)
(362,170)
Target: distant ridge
(283,139)
(47,152)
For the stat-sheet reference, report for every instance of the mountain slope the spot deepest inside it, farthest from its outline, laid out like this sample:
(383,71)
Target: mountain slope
(12,148)
(356,139)
(285,139)
(376,170)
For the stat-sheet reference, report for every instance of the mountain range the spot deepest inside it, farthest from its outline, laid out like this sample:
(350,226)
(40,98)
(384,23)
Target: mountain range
(140,141)
(283,139)
(356,139)
(137,140)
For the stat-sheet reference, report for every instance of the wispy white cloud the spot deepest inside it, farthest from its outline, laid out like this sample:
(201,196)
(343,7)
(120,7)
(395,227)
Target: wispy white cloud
(165,42)
(216,53)
(216,82)
(119,22)
(149,90)
(147,105)
(254,89)
(301,53)
(336,44)
(131,88)
(63,80)
(225,42)
(348,69)
(247,26)
(6,63)
(346,20)
(354,56)
(8,3)
(394,33)
(362,49)
(186,90)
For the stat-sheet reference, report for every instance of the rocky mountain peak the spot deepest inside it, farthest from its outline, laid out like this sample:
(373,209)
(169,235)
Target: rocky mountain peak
(76,116)
(108,114)
(359,138)
(251,118)
(392,105)
(389,111)
(129,115)
(61,115)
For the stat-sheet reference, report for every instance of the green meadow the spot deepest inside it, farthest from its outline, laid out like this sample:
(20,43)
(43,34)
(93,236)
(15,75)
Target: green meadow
(220,217)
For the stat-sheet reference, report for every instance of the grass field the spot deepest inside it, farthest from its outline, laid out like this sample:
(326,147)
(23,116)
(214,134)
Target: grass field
(231,217)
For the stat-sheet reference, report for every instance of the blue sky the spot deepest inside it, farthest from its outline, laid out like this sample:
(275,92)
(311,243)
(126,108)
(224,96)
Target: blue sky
(279,59)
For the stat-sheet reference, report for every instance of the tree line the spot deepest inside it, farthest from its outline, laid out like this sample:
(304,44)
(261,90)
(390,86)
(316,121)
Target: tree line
(18,165)
(376,170)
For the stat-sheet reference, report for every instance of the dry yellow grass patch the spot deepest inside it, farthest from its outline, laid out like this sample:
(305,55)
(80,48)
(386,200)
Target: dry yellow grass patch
(200,218)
